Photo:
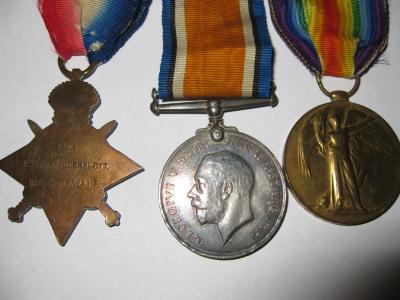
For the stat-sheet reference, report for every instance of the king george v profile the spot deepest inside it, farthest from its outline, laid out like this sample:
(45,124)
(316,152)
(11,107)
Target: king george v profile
(222,192)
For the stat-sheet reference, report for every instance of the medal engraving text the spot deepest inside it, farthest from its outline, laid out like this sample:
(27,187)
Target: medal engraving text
(68,166)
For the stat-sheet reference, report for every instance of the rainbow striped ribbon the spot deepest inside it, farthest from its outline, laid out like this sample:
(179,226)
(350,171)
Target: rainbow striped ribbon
(215,49)
(93,28)
(341,38)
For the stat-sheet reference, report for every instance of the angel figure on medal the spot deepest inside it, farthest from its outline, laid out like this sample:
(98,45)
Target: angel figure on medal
(350,144)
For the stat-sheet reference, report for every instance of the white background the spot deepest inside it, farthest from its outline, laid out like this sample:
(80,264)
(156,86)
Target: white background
(307,259)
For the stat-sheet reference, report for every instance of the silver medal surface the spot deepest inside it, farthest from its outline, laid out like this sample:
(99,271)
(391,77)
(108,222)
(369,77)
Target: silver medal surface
(222,200)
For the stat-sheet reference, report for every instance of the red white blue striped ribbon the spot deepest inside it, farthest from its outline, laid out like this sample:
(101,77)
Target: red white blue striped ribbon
(93,28)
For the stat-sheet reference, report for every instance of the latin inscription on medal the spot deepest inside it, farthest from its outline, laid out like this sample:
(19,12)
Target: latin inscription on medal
(177,222)
(222,199)
(197,148)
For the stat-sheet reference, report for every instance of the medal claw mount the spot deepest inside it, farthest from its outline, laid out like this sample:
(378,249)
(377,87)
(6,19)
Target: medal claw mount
(215,108)
(202,106)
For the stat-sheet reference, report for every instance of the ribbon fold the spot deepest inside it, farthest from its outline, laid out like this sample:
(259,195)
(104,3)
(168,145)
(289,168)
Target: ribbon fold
(93,28)
(341,38)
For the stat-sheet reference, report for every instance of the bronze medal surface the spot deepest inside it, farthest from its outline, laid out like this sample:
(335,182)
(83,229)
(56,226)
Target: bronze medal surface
(68,166)
(222,199)
(342,162)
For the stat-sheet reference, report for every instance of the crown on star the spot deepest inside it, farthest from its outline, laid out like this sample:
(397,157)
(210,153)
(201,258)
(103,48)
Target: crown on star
(75,96)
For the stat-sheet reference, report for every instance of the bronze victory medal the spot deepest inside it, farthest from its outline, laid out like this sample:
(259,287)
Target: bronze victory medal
(224,198)
(342,162)
(69,165)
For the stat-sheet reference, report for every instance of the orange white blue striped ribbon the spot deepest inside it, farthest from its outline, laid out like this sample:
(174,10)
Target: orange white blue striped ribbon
(215,49)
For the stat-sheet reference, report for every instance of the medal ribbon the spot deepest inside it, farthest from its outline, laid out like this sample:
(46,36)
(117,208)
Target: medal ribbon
(341,38)
(215,50)
(93,28)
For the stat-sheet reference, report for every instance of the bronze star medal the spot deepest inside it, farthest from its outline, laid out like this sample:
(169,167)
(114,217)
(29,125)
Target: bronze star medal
(68,166)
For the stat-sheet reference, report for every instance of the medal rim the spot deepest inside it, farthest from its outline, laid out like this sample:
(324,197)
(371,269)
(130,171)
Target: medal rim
(256,246)
(289,181)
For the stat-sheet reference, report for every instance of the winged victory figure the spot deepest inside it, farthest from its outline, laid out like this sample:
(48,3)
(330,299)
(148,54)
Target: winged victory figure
(348,140)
